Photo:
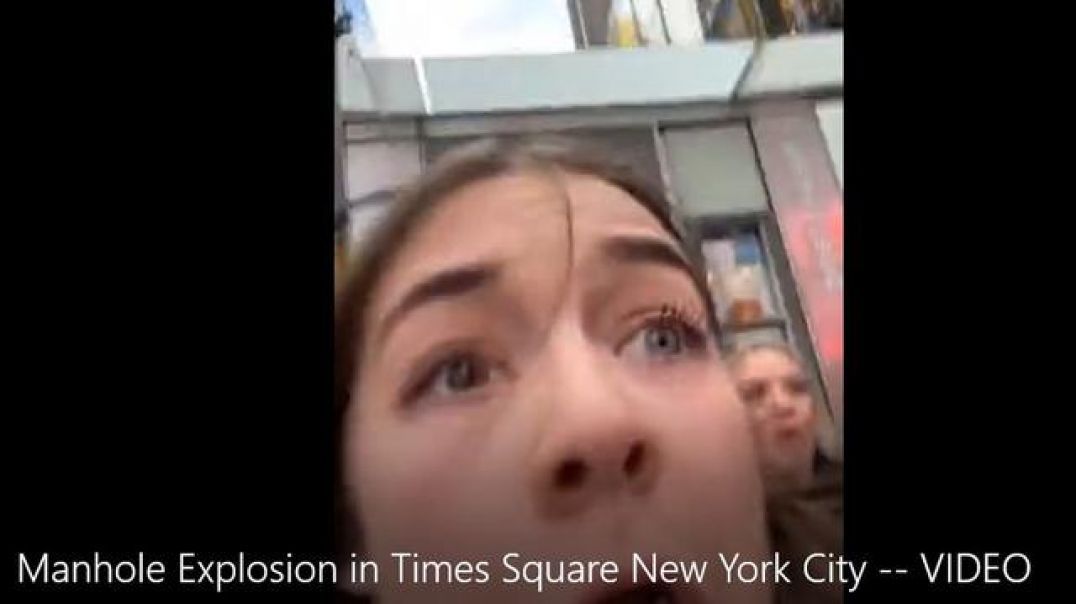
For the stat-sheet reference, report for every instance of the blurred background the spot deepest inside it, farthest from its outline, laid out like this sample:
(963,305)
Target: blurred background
(734,106)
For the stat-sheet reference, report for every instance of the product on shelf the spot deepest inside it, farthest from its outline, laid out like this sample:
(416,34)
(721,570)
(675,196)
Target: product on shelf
(744,288)
(721,260)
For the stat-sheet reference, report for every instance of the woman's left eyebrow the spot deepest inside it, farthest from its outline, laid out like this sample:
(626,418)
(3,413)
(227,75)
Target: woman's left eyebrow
(648,250)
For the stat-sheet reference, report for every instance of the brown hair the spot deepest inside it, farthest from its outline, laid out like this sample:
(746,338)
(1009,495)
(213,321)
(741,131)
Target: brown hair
(459,167)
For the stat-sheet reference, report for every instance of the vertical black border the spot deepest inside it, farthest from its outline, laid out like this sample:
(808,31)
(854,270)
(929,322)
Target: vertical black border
(951,426)
(170,255)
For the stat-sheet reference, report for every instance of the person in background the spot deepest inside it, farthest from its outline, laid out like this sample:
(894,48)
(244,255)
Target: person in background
(804,488)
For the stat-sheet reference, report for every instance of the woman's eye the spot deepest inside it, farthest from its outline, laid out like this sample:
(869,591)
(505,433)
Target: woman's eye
(453,377)
(796,386)
(459,374)
(662,339)
(752,393)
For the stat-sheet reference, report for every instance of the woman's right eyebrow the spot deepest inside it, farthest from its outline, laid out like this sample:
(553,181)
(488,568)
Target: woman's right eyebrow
(443,284)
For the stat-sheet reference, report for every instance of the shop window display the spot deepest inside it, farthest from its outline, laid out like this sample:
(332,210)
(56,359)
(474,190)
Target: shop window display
(743,290)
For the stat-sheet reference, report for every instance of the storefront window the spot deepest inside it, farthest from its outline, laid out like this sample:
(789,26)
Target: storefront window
(742,284)
(714,171)
(373,170)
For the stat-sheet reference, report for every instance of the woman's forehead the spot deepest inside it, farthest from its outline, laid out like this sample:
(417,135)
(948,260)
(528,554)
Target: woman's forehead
(514,217)
(765,362)
(530,200)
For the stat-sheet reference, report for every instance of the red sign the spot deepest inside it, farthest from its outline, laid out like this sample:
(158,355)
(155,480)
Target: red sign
(809,207)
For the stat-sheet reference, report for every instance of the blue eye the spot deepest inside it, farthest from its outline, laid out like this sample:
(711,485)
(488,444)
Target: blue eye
(663,338)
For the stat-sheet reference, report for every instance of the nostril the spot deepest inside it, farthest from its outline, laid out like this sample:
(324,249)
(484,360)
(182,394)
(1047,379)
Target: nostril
(633,463)
(571,474)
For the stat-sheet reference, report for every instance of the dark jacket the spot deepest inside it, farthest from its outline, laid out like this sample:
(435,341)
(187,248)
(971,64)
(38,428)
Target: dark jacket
(805,522)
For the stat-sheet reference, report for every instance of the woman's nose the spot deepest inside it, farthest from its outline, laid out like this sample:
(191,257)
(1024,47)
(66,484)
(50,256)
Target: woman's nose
(606,462)
(596,447)
(781,403)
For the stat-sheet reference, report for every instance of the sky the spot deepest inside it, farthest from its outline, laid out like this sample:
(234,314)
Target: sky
(467,27)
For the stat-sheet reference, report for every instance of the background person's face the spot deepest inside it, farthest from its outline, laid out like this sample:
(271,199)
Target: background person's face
(542,384)
(777,394)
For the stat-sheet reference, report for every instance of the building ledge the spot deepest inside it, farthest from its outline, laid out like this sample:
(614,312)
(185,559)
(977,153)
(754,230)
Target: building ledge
(795,65)
(608,77)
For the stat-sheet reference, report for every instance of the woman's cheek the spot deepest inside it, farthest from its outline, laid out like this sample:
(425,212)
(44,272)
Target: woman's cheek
(699,399)
(433,477)
(803,421)
(712,471)
(757,419)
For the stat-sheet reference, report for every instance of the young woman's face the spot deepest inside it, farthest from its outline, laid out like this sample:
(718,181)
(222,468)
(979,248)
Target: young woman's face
(778,397)
(536,379)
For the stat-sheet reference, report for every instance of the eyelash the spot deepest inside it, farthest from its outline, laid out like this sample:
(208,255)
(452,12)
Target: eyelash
(687,318)
(672,315)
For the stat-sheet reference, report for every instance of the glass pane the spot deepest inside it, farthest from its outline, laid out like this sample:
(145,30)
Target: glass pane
(740,281)
(377,165)
(714,170)
(373,171)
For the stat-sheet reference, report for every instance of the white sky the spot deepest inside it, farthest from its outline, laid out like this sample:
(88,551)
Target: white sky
(469,27)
